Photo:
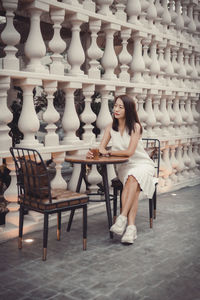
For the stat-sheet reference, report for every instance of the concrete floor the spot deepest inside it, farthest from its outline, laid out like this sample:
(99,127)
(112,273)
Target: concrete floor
(163,263)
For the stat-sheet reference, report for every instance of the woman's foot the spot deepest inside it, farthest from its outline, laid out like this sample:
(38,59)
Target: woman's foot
(130,235)
(120,225)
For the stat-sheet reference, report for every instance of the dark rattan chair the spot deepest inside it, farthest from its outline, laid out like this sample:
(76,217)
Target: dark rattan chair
(35,193)
(152,146)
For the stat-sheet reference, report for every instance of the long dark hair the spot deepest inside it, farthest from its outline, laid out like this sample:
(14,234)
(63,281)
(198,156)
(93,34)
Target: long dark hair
(131,116)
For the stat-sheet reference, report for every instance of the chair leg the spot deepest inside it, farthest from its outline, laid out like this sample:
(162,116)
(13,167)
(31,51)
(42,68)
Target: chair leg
(21,222)
(114,204)
(84,227)
(151,213)
(58,225)
(154,203)
(45,236)
(70,220)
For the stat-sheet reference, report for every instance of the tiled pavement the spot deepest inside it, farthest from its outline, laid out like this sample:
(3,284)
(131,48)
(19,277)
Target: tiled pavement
(163,264)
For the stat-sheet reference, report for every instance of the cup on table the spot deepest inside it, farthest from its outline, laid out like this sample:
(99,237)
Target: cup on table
(95,152)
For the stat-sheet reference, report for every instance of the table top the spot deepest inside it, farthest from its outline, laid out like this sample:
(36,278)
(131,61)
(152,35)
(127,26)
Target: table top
(77,158)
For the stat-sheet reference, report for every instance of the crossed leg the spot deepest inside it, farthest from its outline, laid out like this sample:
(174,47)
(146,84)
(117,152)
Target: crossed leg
(130,195)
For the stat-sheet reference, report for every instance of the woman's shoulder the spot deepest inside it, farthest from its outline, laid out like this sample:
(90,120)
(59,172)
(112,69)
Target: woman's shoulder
(137,128)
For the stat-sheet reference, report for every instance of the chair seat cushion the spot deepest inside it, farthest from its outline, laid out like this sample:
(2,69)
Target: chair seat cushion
(60,199)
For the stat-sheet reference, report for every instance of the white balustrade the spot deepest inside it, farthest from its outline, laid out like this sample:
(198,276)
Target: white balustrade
(89,5)
(10,36)
(58,181)
(179,19)
(184,115)
(28,122)
(158,114)
(151,14)
(162,62)
(169,70)
(141,112)
(155,66)
(70,120)
(109,59)
(137,64)
(104,116)
(150,119)
(120,13)
(190,119)
(35,48)
(171,114)
(180,166)
(147,60)
(165,121)
(94,52)
(181,70)
(124,56)
(5,115)
(57,45)
(88,116)
(104,7)
(178,121)
(166,17)
(186,160)
(94,178)
(51,116)
(75,53)
(133,9)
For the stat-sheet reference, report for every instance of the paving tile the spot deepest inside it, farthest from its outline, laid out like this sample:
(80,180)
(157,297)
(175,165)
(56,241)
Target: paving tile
(163,263)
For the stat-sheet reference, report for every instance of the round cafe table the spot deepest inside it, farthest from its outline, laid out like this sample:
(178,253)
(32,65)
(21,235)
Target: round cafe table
(100,160)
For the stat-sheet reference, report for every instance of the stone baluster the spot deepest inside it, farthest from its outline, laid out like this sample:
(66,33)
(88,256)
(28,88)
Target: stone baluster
(166,17)
(120,13)
(165,121)
(159,8)
(51,116)
(194,74)
(175,65)
(94,178)
(104,7)
(72,184)
(169,70)
(191,25)
(147,60)
(70,120)
(174,163)
(104,116)
(158,114)
(194,101)
(179,19)
(142,114)
(192,165)
(151,15)
(181,70)
(89,5)
(184,115)
(35,48)
(57,45)
(198,63)
(172,10)
(137,64)
(180,166)
(133,9)
(88,116)
(196,14)
(196,156)
(28,122)
(186,19)
(162,62)
(94,52)
(58,181)
(186,160)
(10,195)
(171,114)
(109,60)
(75,53)
(124,56)
(168,166)
(190,120)
(5,115)
(10,36)
(178,118)
(150,119)
(188,67)
(144,7)
(155,66)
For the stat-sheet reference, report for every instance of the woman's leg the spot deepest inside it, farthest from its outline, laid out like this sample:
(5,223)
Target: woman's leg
(130,197)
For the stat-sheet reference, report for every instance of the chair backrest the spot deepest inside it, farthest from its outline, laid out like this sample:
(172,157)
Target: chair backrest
(32,175)
(152,146)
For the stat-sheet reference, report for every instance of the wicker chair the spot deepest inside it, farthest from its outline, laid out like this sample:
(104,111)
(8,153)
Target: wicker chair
(152,146)
(35,193)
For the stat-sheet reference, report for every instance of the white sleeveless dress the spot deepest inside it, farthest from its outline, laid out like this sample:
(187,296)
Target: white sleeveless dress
(139,165)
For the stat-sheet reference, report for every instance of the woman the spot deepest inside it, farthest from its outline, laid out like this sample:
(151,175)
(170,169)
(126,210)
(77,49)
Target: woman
(138,173)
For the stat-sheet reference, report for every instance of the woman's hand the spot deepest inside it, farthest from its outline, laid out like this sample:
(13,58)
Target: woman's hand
(104,152)
(89,154)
